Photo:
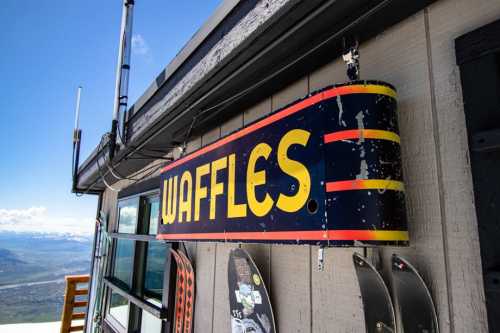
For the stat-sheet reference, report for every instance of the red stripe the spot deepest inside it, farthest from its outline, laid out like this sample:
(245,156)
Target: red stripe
(345,185)
(342,135)
(277,235)
(337,91)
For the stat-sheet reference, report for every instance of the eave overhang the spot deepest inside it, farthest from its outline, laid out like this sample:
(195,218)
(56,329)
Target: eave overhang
(262,45)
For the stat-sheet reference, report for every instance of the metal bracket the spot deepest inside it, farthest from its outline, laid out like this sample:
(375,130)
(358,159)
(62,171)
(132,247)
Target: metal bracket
(321,259)
(415,308)
(377,303)
(351,58)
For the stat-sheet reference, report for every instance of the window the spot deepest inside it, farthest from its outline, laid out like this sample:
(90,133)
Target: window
(150,323)
(119,308)
(154,215)
(139,268)
(153,281)
(123,261)
(127,212)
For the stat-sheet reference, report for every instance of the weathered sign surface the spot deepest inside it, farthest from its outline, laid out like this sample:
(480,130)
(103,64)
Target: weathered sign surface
(323,170)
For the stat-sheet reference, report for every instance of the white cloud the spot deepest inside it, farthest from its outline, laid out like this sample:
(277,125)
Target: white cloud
(139,45)
(128,212)
(38,220)
(8,216)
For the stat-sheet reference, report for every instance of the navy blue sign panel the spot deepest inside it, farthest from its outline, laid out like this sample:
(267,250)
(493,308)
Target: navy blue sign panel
(323,170)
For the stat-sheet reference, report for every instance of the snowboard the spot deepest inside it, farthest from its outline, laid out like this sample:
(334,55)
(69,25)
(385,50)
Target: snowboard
(250,308)
(180,292)
(377,304)
(189,296)
(413,302)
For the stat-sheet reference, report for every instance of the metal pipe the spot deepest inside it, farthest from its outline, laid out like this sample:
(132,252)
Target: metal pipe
(77,133)
(77,111)
(122,74)
(76,157)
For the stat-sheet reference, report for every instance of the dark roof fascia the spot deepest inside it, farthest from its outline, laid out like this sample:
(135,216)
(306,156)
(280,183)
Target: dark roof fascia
(192,47)
(333,18)
(223,20)
(200,36)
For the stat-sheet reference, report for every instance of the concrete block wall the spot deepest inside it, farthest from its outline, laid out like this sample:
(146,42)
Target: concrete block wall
(417,56)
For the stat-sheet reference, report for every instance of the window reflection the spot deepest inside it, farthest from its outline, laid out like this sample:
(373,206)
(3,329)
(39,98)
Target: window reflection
(150,323)
(118,309)
(127,216)
(153,216)
(124,260)
(155,263)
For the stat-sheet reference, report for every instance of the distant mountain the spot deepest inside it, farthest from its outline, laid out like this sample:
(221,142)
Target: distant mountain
(23,235)
(35,257)
(8,258)
(12,265)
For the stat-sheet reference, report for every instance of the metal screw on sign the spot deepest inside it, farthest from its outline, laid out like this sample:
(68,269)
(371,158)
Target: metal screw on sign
(399,265)
(381,327)
(321,258)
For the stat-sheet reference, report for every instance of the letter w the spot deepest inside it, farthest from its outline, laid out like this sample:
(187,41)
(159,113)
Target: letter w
(169,200)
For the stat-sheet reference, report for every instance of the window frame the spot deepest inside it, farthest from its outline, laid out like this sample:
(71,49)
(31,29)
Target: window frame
(135,294)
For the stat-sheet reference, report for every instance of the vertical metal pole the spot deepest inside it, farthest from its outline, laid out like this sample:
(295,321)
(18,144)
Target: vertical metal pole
(77,133)
(77,112)
(122,75)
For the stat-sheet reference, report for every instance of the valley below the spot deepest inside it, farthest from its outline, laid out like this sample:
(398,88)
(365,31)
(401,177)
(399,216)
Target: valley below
(32,271)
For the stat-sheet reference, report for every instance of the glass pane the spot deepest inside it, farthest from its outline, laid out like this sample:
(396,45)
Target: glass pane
(154,213)
(127,215)
(124,260)
(155,263)
(150,323)
(118,309)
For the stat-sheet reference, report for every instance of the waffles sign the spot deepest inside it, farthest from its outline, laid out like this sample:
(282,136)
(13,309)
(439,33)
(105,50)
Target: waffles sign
(324,170)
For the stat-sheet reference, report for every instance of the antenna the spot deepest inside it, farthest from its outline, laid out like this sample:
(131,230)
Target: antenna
(122,74)
(77,135)
(77,112)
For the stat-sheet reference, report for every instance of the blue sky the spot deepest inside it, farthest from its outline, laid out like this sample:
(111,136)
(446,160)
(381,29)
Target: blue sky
(48,49)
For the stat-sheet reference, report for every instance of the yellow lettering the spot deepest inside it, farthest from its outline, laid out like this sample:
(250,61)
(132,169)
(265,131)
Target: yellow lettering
(199,191)
(255,178)
(169,200)
(233,210)
(215,187)
(185,203)
(291,204)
